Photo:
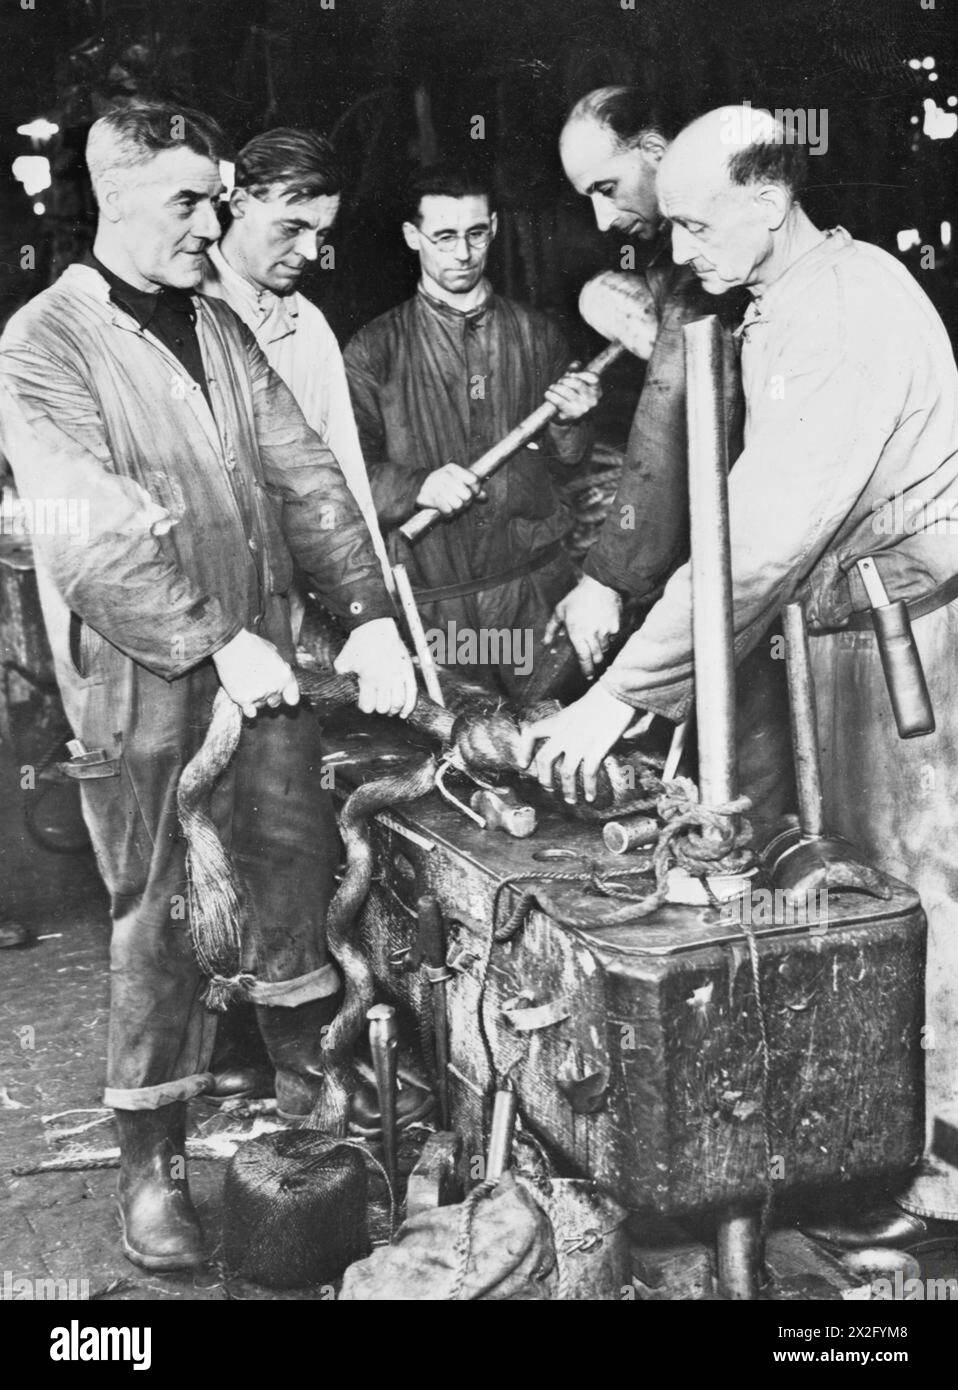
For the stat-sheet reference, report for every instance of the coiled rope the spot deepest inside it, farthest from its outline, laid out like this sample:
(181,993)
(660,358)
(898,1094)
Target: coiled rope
(215,901)
(482,743)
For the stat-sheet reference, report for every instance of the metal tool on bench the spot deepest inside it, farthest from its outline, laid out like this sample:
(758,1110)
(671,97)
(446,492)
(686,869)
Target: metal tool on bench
(618,306)
(501,1132)
(623,836)
(384,1045)
(501,809)
(427,664)
(900,661)
(805,860)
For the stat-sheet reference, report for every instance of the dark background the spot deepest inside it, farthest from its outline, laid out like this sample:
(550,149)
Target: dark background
(398,82)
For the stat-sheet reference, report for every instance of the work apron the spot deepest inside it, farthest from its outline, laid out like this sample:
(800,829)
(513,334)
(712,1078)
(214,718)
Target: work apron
(895,798)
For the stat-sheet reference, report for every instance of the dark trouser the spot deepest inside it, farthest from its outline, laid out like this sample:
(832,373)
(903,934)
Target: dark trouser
(895,799)
(276,816)
(766,769)
(493,636)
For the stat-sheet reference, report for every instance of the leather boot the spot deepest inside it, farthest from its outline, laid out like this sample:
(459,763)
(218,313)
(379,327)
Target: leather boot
(887,1225)
(294,1041)
(293,1038)
(161,1230)
(240,1064)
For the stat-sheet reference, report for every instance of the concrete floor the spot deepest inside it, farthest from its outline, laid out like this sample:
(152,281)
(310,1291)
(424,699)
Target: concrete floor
(53,1019)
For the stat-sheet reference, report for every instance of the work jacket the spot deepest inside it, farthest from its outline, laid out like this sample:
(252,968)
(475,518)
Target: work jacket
(851,449)
(302,348)
(187,517)
(431,384)
(646,532)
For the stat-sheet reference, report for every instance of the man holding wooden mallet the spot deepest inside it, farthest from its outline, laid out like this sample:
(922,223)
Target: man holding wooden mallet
(436,382)
(852,397)
(612,145)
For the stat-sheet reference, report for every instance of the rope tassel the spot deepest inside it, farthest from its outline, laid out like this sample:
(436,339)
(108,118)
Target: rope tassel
(212,888)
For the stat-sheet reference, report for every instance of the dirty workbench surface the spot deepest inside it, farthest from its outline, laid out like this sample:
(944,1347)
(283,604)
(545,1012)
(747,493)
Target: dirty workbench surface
(359,749)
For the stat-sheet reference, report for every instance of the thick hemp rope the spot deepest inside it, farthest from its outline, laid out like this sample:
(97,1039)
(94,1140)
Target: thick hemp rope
(331,1112)
(215,901)
(480,743)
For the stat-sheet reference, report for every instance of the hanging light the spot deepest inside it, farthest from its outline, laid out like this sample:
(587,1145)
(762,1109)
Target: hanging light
(938,124)
(39,130)
(33,171)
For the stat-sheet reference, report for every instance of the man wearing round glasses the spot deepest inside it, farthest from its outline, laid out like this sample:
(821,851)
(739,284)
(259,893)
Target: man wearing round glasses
(436,382)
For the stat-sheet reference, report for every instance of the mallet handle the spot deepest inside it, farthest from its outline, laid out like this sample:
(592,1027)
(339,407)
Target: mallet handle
(516,439)
(427,665)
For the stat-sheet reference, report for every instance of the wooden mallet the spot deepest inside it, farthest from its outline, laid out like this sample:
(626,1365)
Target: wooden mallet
(617,305)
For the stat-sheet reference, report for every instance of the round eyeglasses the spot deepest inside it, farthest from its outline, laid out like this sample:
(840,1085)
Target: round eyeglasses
(477,239)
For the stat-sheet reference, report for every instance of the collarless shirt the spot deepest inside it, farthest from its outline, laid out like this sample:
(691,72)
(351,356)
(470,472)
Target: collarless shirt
(433,384)
(169,314)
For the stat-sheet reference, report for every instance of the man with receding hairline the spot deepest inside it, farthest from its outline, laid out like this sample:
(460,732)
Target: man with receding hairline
(852,399)
(612,146)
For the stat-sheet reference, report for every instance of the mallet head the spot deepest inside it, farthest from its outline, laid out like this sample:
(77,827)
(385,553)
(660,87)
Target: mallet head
(620,307)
